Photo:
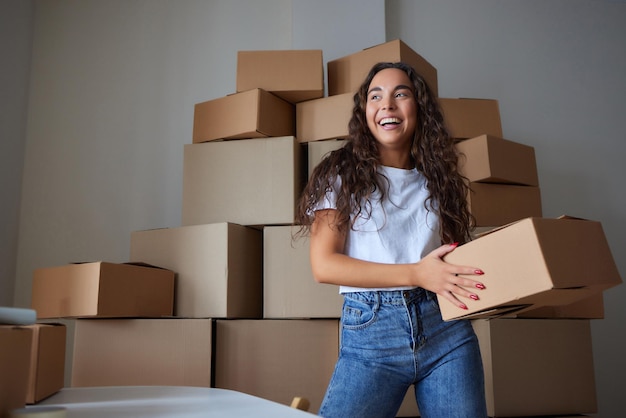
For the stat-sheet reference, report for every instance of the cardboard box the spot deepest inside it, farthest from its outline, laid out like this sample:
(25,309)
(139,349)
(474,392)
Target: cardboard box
(250,114)
(142,352)
(468,118)
(219,267)
(277,359)
(247,182)
(494,204)
(289,289)
(15,344)
(346,74)
(325,118)
(535,262)
(490,159)
(102,289)
(317,150)
(537,366)
(588,308)
(293,75)
(47,361)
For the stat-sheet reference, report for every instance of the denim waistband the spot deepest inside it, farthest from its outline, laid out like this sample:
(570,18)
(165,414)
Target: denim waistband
(392,297)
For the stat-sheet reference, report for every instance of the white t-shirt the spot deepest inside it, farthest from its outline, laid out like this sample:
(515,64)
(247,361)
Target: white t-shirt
(400,230)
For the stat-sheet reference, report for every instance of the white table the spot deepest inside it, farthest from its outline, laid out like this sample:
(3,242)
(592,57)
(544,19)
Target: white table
(166,401)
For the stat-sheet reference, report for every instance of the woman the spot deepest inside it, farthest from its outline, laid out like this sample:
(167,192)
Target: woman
(377,211)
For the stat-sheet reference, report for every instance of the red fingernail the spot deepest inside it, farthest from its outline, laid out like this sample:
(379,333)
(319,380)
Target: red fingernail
(475,297)
(480,285)
(479,272)
(454,244)
(463,306)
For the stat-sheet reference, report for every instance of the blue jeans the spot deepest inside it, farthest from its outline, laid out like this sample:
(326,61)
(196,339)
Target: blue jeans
(393,339)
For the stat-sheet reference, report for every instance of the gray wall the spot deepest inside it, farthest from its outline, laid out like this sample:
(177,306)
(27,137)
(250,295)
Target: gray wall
(113,84)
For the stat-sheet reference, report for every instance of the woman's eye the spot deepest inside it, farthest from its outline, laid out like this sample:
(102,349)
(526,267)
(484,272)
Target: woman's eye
(374,97)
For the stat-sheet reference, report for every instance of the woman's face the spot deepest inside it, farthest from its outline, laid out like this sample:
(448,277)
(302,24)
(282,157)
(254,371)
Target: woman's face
(391,110)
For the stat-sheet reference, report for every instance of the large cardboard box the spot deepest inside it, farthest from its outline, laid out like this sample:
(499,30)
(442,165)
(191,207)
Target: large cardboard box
(317,150)
(346,74)
(537,366)
(102,289)
(494,204)
(254,113)
(325,118)
(15,349)
(248,182)
(142,352)
(219,267)
(588,308)
(535,262)
(47,361)
(289,289)
(468,118)
(277,359)
(490,159)
(293,75)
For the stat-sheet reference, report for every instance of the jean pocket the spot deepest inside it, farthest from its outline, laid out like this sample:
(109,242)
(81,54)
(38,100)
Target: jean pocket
(357,313)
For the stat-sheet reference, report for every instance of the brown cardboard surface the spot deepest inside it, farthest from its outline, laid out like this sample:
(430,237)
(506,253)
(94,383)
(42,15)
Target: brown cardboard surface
(537,366)
(289,289)
(142,352)
(248,182)
(470,117)
(277,359)
(15,344)
(325,118)
(251,114)
(346,74)
(293,75)
(102,289)
(490,159)
(500,204)
(219,267)
(318,150)
(47,361)
(535,262)
(591,307)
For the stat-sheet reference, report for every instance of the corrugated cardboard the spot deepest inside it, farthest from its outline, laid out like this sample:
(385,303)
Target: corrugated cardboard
(47,361)
(219,267)
(142,352)
(102,289)
(325,118)
(499,204)
(293,75)
(247,182)
(288,286)
(468,118)
(588,308)
(346,74)
(537,366)
(251,114)
(15,348)
(277,359)
(490,159)
(535,262)
(318,150)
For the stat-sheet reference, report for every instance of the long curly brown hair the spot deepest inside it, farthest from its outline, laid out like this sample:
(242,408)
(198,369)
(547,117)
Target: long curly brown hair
(356,163)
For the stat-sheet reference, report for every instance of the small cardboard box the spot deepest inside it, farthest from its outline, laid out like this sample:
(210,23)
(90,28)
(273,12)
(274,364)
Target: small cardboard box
(317,150)
(490,159)
(289,289)
(277,359)
(494,204)
(15,348)
(293,75)
(468,118)
(219,267)
(102,289)
(142,352)
(47,361)
(535,262)
(247,182)
(325,118)
(537,366)
(346,74)
(250,114)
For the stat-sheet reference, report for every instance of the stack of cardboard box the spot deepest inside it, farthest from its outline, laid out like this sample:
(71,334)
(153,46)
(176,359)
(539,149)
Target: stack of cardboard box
(247,314)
